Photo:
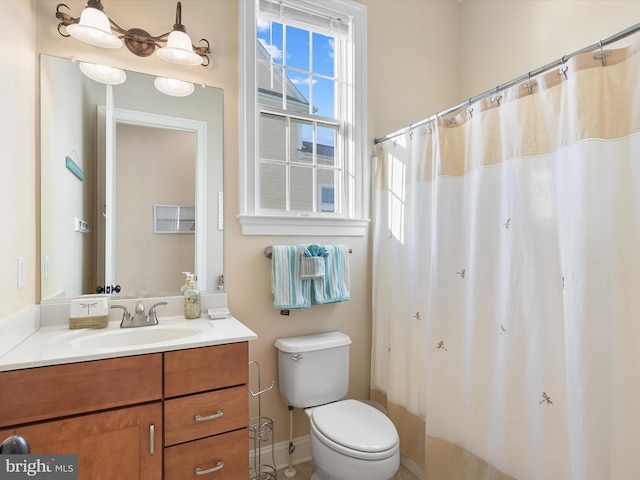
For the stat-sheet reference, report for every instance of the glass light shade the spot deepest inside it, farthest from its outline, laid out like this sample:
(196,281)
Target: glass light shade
(94,28)
(179,50)
(173,87)
(103,73)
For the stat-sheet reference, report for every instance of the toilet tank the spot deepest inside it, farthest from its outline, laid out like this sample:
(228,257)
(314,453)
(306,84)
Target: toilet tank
(313,369)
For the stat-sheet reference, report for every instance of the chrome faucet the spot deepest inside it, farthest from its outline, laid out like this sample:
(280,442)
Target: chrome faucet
(139,319)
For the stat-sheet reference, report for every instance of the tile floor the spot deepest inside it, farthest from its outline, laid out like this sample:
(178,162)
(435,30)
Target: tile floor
(304,471)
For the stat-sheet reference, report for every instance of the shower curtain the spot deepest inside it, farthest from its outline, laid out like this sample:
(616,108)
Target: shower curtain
(506,334)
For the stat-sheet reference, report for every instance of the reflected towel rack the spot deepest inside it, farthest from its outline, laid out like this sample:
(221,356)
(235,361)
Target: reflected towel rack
(268,251)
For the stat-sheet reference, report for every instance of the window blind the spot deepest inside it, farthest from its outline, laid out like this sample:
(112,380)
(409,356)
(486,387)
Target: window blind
(305,15)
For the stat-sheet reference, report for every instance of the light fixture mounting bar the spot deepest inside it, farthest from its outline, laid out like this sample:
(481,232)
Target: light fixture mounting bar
(138,41)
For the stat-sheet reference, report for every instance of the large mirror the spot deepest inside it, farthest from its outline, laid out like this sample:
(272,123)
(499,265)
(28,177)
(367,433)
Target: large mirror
(131,185)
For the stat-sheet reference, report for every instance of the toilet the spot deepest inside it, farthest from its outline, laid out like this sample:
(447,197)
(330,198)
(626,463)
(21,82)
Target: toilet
(350,439)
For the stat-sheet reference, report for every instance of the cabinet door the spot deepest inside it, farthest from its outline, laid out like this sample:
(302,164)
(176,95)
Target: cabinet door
(116,444)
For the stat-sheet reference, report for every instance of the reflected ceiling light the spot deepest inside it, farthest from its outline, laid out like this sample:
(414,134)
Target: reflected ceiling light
(173,87)
(103,73)
(96,28)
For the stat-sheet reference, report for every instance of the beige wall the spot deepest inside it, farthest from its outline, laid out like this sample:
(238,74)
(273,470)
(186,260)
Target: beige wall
(17,160)
(504,39)
(413,48)
(423,57)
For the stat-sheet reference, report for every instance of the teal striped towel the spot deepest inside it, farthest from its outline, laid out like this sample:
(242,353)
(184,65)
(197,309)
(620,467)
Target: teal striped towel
(288,288)
(334,286)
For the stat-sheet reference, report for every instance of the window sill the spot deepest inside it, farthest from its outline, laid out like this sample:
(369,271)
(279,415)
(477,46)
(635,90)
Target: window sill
(305,226)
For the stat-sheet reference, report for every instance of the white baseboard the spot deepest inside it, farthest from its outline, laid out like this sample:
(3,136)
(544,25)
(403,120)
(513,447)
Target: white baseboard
(301,454)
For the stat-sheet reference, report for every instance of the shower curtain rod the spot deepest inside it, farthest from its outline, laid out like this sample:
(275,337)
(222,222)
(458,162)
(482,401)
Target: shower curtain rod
(527,76)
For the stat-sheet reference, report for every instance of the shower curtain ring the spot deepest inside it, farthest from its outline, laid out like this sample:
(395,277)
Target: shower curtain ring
(529,85)
(602,56)
(563,69)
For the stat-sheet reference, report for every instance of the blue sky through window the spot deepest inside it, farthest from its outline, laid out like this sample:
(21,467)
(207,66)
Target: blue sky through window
(310,56)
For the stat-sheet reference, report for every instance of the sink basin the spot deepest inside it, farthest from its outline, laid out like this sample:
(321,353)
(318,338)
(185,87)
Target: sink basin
(130,337)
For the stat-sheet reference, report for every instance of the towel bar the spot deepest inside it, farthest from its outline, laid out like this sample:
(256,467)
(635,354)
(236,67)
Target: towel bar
(268,251)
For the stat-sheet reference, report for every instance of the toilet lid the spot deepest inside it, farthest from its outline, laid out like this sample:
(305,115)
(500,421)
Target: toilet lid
(355,425)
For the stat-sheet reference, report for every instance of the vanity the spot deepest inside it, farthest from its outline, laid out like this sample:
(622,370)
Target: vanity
(173,407)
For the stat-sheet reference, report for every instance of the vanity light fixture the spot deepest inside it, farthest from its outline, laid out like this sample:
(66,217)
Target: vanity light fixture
(173,87)
(103,73)
(96,28)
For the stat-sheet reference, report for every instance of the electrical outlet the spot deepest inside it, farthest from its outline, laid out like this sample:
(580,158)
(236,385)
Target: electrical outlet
(22,272)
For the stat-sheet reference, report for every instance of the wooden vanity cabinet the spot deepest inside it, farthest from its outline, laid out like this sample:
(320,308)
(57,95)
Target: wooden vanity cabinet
(115,413)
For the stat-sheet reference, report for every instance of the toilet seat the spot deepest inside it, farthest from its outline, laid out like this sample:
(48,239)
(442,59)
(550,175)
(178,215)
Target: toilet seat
(355,429)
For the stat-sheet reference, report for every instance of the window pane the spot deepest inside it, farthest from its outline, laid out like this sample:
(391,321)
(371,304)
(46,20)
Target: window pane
(326,190)
(301,188)
(297,92)
(297,48)
(324,97)
(323,55)
(269,78)
(301,141)
(326,147)
(269,40)
(272,186)
(272,137)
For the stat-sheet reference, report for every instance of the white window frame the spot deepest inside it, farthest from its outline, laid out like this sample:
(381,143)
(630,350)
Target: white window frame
(354,220)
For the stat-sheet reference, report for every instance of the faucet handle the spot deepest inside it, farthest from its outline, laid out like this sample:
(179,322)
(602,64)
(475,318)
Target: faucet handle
(126,315)
(139,307)
(153,317)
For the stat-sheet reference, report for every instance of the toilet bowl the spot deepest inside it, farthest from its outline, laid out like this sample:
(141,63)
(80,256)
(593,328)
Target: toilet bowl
(351,440)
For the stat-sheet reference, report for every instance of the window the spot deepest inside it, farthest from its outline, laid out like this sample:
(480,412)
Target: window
(303,165)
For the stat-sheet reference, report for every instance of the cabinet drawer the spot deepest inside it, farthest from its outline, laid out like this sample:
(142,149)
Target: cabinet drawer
(227,455)
(217,412)
(208,368)
(61,390)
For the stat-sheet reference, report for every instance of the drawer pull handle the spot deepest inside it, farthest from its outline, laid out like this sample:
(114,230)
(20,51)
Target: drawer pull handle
(200,471)
(200,418)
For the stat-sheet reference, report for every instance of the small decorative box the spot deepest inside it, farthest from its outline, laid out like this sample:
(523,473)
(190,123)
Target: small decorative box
(89,312)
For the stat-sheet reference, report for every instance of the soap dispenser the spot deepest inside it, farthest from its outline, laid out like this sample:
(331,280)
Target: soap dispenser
(192,301)
(187,276)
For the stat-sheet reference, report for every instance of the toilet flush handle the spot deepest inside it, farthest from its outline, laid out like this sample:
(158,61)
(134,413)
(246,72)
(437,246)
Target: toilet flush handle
(297,358)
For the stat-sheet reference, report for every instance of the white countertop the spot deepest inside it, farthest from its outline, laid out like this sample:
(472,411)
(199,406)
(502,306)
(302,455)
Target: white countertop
(57,344)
